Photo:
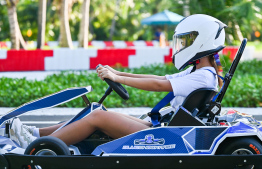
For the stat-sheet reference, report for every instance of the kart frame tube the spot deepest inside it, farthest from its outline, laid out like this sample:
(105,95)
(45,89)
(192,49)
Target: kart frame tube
(15,161)
(231,71)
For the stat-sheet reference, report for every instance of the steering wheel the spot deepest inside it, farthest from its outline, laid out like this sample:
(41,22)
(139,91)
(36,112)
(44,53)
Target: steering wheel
(117,87)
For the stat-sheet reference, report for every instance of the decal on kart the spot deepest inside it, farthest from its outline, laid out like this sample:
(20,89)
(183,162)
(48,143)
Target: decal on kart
(7,147)
(149,139)
(149,142)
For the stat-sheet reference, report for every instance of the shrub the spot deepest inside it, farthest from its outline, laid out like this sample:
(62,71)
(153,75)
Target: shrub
(244,91)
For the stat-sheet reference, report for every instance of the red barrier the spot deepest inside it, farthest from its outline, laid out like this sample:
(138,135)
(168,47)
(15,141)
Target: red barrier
(231,51)
(129,43)
(25,60)
(168,58)
(112,57)
(149,43)
(109,43)
(34,60)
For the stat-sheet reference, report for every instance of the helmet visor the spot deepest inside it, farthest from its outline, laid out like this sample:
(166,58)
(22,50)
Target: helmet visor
(182,41)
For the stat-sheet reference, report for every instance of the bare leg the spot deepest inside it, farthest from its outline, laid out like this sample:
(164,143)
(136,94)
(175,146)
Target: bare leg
(49,130)
(108,122)
(134,118)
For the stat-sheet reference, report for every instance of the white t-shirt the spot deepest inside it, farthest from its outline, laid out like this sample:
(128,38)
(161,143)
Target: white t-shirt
(184,83)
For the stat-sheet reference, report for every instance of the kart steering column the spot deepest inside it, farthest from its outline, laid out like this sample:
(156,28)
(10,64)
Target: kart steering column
(108,91)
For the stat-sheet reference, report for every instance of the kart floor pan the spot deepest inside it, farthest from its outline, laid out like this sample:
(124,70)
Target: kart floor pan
(13,161)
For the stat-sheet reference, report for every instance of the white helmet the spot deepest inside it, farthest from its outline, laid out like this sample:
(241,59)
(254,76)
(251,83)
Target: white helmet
(197,36)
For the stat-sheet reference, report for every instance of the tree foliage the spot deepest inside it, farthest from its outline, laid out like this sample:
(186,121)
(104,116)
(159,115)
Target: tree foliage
(244,13)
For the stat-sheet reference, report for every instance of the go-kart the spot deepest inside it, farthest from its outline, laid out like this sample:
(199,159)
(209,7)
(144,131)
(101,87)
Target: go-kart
(196,135)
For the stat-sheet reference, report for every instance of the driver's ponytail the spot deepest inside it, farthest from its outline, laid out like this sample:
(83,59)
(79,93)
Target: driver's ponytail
(213,62)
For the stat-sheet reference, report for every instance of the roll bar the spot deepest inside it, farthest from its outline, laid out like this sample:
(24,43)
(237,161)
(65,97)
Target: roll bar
(229,75)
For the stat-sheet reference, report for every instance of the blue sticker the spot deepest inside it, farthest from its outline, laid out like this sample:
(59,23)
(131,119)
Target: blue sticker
(149,142)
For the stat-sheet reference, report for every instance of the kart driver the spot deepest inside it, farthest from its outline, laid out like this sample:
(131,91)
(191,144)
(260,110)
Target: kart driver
(196,40)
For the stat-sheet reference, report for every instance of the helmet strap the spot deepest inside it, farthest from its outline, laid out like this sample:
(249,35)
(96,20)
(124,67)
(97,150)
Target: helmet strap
(194,68)
(194,63)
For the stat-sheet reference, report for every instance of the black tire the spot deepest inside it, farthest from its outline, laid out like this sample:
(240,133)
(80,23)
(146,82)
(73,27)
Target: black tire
(47,145)
(241,146)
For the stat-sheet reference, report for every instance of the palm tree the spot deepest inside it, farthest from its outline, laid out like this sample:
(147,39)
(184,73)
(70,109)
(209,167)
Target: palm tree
(16,36)
(65,35)
(240,13)
(84,25)
(186,11)
(113,25)
(41,23)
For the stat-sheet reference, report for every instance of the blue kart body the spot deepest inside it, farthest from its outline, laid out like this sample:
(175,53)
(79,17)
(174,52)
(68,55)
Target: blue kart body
(177,140)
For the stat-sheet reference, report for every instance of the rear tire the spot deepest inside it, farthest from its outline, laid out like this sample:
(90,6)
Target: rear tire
(240,146)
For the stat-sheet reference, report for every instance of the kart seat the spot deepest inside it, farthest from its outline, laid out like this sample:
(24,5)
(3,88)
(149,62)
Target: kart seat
(195,106)
(199,99)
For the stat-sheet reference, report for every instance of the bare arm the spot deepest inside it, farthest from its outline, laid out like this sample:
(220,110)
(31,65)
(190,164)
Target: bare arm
(149,84)
(134,75)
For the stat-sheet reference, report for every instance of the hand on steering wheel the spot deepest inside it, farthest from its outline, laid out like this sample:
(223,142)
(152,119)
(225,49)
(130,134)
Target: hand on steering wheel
(103,73)
(117,87)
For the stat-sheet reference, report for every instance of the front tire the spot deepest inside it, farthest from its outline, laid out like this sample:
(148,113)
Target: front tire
(47,145)
(240,146)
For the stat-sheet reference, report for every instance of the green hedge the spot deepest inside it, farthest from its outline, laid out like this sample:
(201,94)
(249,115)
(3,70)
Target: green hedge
(244,91)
